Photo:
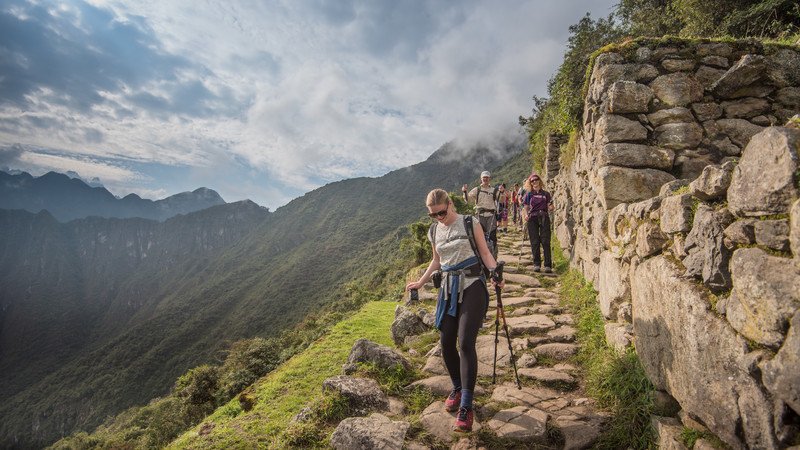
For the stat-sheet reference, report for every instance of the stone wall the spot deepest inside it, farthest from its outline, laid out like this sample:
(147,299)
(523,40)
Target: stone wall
(552,151)
(681,206)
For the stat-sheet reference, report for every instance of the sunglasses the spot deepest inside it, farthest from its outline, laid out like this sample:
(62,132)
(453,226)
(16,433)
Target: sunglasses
(439,214)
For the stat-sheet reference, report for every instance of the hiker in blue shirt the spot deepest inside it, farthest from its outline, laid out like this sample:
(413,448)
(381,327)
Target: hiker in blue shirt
(460,251)
(538,203)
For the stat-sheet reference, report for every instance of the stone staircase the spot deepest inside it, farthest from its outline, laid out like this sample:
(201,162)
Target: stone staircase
(549,411)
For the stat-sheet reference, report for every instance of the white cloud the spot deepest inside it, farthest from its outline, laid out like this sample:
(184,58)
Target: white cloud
(286,95)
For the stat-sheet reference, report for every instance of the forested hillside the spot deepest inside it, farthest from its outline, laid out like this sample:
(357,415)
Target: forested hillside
(148,322)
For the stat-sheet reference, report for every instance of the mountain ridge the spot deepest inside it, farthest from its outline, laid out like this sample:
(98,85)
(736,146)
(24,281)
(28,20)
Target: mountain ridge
(69,198)
(283,267)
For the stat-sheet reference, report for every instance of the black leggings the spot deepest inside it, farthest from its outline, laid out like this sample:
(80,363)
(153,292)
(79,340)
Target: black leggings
(462,360)
(539,233)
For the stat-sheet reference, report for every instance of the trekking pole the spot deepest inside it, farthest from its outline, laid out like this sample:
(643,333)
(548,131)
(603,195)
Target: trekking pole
(498,277)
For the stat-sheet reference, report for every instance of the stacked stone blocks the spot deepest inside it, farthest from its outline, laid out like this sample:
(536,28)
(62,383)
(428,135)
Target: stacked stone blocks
(682,208)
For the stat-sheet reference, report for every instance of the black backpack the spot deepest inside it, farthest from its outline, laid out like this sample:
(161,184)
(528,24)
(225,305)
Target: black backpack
(470,235)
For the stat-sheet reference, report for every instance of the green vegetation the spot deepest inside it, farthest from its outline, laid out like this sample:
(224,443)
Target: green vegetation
(776,19)
(293,386)
(647,21)
(616,380)
(125,327)
(201,390)
(561,112)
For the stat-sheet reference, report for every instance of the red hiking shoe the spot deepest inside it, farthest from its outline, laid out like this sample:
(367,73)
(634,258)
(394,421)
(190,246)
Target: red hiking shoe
(453,400)
(464,419)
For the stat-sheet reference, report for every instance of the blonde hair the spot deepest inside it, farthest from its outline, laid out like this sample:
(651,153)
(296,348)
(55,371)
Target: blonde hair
(437,197)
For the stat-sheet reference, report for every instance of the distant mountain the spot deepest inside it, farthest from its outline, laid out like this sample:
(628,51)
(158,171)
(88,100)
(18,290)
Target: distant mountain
(97,315)
(68,198)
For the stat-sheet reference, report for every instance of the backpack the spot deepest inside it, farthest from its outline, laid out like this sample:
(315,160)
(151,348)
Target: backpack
(471,236)
(494,194)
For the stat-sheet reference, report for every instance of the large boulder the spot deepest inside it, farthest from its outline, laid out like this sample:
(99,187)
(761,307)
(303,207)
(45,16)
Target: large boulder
(614,128)
(783,67)
(629,97)
(781,374)
(636,156)
(676,213)
(713,182)
(677,89)
(608,71)
(739,131)
(624,185)
(748,70)
(671,115)
(613,288)
(687,350)
(362,394)
(746,108)
(765,296)
(706,111)
(367,433)
(649,239)
(765,180)
(405,324)
(679,136)
(366,351)
(708,255)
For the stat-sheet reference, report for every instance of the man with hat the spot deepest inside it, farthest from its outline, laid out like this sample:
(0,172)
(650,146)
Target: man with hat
(538,203)
(484,197)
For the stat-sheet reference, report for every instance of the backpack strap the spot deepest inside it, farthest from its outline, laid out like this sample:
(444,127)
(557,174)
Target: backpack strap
(471,235)
(494,194)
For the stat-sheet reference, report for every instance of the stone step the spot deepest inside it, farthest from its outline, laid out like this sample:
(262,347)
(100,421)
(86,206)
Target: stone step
(441,385)
(534,323)
(520,423)
(438,422)
(525,280)
(518,301)
(555,350)
(548,376)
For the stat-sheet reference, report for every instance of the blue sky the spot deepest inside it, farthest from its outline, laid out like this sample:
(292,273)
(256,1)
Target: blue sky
(265,100)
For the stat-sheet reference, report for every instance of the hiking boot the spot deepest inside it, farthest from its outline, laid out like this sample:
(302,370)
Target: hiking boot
(464,419)
(548,270)
(537,269)
(453,400)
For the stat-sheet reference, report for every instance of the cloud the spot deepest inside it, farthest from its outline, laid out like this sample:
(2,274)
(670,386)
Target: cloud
(268,100)
(10,155)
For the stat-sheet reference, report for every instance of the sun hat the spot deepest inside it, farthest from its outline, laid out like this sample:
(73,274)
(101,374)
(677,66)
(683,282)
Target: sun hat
(486,173)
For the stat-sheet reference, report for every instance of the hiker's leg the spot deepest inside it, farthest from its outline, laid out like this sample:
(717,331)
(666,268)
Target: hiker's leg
(471,313)
(533,234)
(447,339)
(548,260)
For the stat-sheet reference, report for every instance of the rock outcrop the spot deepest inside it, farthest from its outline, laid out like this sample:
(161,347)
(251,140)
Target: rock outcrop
(681,206)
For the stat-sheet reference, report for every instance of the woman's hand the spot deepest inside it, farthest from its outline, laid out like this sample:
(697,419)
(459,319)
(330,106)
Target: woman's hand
(414,285)
(501,285)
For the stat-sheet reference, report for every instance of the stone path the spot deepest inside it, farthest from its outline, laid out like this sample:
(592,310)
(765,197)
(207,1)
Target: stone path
(547,410)
(550,409)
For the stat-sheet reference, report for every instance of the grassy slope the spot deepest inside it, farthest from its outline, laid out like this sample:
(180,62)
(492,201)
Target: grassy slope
(283,393)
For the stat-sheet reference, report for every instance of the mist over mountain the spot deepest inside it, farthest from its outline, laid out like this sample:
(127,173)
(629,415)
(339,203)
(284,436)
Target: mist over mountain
(69,197)
(97,315)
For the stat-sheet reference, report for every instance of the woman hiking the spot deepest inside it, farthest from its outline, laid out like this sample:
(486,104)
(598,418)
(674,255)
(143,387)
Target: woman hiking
(463,297)
(538,204)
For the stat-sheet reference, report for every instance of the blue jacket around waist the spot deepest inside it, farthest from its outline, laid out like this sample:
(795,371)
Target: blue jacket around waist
(449,303)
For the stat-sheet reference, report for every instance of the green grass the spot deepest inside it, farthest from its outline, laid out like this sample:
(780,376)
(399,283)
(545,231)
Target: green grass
(616,380)
(284,392)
